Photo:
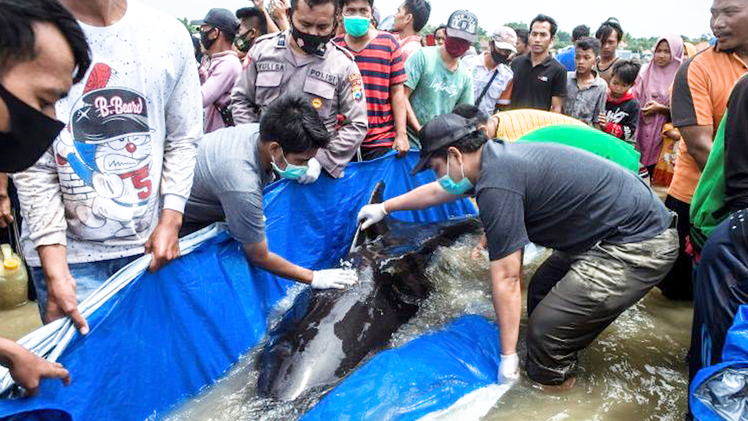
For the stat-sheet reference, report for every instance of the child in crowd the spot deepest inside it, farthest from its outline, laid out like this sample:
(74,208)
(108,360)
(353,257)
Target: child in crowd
(622,109)
(586,92)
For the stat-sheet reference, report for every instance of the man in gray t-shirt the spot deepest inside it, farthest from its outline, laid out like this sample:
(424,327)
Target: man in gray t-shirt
(235,164)
(613,239)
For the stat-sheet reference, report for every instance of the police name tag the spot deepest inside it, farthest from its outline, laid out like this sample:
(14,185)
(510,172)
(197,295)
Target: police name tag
(270,67)
(325,77)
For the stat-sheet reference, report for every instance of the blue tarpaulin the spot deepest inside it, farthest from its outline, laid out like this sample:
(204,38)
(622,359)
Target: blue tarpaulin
(166,336)
(720,392)
(428,374)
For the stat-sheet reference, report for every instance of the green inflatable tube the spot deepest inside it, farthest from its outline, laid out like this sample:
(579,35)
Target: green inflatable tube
(589,139)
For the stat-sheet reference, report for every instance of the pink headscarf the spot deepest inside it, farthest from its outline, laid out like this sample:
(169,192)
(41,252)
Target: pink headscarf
(654,84)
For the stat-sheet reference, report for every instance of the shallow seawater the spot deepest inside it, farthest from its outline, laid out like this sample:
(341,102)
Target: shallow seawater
(636,369)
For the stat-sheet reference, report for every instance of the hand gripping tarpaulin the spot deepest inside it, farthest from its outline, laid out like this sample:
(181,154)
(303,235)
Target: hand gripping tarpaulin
(158,339)
(427,375)
(720,392)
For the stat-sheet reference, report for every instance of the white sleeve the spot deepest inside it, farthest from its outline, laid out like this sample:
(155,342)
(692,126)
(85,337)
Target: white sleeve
(41,202)
(184,128)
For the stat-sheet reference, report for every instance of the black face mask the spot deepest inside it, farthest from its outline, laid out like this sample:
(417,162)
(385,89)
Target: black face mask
(310,43)
(31,134)
(499,58)
(243,43)
(207,42)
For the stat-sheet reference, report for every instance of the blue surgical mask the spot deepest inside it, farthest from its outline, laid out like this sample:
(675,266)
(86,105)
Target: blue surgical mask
(292,172)
(457,188)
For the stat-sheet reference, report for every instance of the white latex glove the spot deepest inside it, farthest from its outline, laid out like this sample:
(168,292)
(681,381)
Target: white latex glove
(334,278)
(509,369)
(312,174)
(371,214)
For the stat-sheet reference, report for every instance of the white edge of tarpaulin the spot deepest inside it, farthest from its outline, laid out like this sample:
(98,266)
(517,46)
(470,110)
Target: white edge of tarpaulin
(473,406)
(49,341)
(476,404)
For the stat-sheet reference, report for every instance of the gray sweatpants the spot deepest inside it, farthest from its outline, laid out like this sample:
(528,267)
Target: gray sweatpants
(573,298)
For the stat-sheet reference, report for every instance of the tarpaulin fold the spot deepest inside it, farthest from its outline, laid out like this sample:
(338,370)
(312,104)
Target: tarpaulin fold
(426,375)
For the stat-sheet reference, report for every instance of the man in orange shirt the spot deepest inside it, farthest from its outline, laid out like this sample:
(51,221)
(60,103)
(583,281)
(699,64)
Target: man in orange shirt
(700,93)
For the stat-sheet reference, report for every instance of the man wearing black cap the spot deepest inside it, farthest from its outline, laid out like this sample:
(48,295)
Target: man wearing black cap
(613,239)
(437,79)
(220,68)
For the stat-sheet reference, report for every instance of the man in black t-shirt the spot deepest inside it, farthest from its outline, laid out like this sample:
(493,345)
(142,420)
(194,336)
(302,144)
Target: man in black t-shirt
(539,79)
(613,238)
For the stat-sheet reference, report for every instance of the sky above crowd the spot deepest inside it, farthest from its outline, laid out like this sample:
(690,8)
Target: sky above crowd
(641,18)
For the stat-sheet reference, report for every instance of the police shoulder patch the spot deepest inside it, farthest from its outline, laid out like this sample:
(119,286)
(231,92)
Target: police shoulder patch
(267,37)
(345,52)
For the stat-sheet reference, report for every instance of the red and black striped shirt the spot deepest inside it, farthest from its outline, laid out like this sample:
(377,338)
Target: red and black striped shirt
(381,67)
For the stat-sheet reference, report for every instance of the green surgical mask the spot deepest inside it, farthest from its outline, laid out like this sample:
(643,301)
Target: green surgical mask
(356,26)
(292,172)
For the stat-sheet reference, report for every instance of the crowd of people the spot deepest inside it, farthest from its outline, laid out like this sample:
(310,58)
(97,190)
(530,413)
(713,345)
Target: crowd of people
(163,134)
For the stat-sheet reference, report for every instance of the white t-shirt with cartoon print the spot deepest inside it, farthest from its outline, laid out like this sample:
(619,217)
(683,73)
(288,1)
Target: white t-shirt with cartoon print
(128,148)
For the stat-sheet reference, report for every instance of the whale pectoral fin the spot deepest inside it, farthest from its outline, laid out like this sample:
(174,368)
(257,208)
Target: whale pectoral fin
(380,228)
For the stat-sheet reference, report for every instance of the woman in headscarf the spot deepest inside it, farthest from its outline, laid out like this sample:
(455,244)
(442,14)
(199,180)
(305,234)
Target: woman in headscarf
(652,89)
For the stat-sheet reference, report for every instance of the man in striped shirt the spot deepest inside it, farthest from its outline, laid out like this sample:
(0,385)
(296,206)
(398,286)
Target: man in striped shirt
(383,72)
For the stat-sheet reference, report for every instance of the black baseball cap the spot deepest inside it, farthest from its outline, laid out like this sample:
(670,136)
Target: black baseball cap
(222,19)
(439,133)
(463,24)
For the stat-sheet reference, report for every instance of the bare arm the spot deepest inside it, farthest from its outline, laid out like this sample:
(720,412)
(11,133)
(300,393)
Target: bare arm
(506,290)
(400,109)
(260,5)
(61,285)
(28,369)
(699,141)
(259,255)
(557,103)
(423,197)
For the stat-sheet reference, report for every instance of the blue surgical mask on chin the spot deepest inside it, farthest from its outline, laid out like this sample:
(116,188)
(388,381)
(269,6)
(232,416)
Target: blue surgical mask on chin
(457,188)
(292,172)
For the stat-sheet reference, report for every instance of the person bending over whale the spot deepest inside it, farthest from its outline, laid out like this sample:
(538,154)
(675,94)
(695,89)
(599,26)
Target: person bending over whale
(236,163)
(613,238)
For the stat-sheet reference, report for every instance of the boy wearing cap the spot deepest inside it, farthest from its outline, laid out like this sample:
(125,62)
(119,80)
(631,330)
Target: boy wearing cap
(220,67)
(437,79)
(491,73)
(613,239)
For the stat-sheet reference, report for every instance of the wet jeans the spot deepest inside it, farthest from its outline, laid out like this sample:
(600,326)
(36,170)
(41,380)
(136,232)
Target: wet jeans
(88,276)
(573,298)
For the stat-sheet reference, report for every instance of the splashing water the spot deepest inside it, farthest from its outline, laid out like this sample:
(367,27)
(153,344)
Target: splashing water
(635,370)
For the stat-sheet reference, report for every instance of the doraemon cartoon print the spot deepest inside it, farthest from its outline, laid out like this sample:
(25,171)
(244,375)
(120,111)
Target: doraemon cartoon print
(108,147)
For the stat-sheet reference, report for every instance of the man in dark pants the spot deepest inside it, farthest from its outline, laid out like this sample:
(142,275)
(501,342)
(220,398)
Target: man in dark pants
(721,278)
(613,238)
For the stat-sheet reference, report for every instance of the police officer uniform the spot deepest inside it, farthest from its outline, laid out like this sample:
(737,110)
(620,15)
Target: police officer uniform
(329,78)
